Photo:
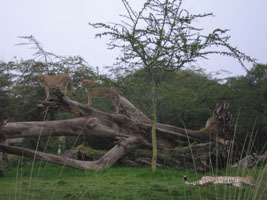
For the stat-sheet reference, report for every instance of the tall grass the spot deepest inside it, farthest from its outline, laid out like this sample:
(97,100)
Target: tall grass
(119,183)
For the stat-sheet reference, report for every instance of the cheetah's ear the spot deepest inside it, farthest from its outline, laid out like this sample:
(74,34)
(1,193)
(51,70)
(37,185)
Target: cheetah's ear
(40,76)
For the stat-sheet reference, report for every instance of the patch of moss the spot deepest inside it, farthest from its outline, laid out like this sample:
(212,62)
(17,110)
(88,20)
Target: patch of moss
(86,149)
(89,151)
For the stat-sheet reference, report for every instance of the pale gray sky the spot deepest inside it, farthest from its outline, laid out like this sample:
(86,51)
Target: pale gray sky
(62,28)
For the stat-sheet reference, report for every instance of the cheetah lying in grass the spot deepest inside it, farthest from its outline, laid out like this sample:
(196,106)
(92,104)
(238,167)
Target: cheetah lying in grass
(233,180)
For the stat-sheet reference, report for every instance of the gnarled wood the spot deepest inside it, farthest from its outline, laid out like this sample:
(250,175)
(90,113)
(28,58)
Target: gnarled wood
(111,157)
(200,157)
(133,131)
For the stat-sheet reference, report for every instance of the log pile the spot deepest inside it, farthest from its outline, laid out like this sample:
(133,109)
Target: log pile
(128,134)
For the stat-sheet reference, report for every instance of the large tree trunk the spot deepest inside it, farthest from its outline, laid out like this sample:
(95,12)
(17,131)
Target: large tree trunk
(111,157)
(125,133)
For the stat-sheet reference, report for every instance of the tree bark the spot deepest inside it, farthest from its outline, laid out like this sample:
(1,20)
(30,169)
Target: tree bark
(111,157)
(201,157)
(153,131)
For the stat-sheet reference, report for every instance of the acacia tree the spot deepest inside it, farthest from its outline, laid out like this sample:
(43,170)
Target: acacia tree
(161,38)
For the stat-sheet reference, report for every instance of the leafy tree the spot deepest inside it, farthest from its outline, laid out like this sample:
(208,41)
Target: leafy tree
(185,98)
(5,82)
(248,96)
(160,38)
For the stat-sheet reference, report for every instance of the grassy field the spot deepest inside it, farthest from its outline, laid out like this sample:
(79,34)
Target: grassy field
(49,181)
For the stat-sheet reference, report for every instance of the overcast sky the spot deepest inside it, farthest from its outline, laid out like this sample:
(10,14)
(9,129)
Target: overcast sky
(62,28)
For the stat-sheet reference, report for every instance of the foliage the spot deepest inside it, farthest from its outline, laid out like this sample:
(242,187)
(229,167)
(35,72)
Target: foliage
(5,98)
(161,37)
(247,96)
(185,98)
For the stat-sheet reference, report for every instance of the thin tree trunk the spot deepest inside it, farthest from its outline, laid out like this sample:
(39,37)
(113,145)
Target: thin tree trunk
(153,132)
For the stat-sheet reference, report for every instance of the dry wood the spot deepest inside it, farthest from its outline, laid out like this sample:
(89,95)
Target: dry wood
(131,132)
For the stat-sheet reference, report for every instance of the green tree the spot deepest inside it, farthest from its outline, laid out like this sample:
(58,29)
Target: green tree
(247,95)
(186,97)
(161,38)
(5,82)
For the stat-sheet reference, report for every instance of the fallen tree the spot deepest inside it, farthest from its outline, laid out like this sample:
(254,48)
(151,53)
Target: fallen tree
(126,132)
